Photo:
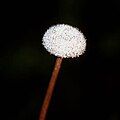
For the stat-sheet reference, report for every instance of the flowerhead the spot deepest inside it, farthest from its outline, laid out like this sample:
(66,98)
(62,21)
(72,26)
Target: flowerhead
(64,41)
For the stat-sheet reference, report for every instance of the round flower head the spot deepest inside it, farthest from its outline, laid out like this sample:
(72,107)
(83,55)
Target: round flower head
(64,41)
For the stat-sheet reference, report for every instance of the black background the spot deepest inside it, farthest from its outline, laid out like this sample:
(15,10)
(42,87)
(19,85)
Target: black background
(88,87)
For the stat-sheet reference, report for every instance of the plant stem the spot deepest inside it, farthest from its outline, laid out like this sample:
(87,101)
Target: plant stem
(50,89)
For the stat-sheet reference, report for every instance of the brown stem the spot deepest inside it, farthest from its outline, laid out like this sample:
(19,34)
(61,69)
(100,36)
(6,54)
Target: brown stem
(50,89)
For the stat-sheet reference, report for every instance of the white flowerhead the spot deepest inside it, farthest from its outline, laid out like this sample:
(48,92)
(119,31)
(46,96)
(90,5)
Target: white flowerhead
(64,41)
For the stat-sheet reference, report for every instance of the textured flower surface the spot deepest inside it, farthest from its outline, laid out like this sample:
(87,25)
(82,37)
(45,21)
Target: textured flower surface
(64,41)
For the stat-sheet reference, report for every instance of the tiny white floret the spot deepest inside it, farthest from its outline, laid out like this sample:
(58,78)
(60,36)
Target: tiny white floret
(64,41)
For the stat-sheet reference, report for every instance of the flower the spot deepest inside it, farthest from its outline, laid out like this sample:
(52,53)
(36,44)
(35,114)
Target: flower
(64,41)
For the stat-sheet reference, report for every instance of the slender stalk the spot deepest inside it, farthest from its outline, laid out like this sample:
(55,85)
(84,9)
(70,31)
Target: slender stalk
(50,89)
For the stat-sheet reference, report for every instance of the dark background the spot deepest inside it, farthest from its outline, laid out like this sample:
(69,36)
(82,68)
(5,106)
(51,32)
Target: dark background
(88,87)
